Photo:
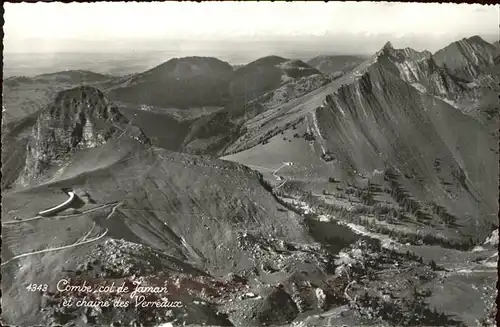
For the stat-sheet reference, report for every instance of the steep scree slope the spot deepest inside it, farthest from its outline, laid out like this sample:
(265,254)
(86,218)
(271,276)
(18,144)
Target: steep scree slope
(205,217)
(374,119)
(420,70)
(381,121)
(78,119)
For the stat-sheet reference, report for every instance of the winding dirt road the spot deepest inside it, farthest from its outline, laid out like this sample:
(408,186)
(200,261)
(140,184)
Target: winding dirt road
(82,241)
(56,249)
(10,222)
(60,207)
(274,171)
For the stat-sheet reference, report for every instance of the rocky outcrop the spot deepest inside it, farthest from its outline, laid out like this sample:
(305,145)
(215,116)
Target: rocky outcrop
(78,119)
(493,239)
(380,120)
(420,70)
(467,57)
(276,308)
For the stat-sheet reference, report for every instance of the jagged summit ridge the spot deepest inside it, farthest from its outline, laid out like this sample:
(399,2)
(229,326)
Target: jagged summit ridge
(388,46)
(402,54)
(419,68)
(477,39)
(467,57)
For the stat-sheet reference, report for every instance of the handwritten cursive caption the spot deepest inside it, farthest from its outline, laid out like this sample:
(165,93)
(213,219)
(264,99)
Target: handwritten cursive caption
(137,295)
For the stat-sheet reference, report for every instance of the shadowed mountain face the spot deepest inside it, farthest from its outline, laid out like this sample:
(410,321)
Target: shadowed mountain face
(270,81)
(253,89)
(198,81)
(466,58)
(264,75)
(178,83)
(335,65)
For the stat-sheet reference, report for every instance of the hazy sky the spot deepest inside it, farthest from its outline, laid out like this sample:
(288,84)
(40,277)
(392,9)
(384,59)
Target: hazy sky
(109,26)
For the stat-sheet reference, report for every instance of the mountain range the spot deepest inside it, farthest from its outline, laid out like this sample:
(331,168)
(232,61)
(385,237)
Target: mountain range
(258,195)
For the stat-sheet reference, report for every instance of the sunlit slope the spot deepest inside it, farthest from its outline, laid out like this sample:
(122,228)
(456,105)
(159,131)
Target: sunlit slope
(382,121)
(372,121)
(190,208)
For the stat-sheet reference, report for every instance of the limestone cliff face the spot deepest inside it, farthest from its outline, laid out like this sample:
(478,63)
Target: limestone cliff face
(78,119)
(467,57)
(420,70)
(380,120)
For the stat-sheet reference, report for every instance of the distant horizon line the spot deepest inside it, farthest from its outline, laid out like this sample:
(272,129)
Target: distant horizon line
(315,43)
(326,53)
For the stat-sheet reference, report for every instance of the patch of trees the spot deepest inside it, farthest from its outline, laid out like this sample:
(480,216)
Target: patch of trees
(327,156)
(269,134)
(448,219)
(355,215)
(412,311)
(308,136)
(415,207)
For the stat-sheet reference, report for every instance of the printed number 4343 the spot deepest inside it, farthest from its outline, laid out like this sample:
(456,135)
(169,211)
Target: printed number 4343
(37,287)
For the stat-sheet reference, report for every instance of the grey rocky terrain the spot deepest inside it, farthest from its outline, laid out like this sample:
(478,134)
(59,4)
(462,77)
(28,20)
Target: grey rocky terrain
(275,194)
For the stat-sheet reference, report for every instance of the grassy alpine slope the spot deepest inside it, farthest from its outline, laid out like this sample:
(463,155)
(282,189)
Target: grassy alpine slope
(360,198)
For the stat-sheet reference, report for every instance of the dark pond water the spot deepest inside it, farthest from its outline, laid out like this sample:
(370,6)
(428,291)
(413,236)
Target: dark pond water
(331,234)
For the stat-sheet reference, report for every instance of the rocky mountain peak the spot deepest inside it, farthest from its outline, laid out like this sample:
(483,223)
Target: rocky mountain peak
(77,119)
(82,100)
(476,39)
(388,46)
(403,54)
(418,68)
(467,57)
(387,49)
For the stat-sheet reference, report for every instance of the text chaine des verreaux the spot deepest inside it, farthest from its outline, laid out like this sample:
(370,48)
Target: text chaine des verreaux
(64,286)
